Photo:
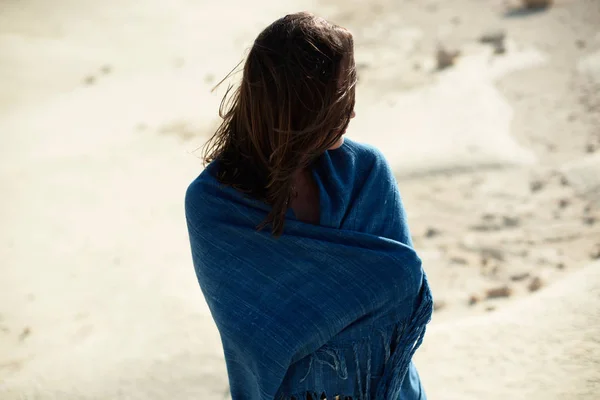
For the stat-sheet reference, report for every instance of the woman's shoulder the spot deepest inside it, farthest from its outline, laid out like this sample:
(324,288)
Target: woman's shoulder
(362,157)
(363,150)
(200,192)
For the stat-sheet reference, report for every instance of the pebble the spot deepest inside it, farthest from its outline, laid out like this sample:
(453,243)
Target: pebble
(89,80)
(537,4)
(563,203)
(26,332)
(492,252)
(492,36)
(488,217)
(510,221)
(458,260)
(473,299)
(495,39)
(535,284)
(438,305)
(519,277)
(106,69)
(536,186)
(485,227)
(589,220)
(595,253)
(431,232)
(499,292)
(445,58)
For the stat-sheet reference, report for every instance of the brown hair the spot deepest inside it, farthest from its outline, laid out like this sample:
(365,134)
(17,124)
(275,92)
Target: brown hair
(294,102)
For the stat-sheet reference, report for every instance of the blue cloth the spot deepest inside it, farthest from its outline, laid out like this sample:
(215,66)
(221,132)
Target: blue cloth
(336,308)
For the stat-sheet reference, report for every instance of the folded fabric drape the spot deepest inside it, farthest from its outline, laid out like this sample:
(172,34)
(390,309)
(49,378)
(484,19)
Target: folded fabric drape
(332,309)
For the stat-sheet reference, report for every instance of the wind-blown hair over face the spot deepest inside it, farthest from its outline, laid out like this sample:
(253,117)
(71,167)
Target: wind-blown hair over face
(294,102)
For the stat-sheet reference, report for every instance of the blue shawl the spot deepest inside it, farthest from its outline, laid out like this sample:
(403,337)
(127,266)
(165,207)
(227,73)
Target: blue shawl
(337,308)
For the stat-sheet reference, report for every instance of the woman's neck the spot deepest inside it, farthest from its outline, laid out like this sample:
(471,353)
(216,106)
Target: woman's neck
(305,199)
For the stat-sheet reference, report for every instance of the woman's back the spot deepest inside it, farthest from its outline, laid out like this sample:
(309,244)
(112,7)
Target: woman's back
(335,308)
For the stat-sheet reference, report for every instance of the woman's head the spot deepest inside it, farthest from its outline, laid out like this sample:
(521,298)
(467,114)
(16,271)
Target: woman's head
(294,102)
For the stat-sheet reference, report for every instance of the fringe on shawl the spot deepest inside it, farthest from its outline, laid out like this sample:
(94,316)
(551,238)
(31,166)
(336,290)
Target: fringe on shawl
(408,341)
(399,348)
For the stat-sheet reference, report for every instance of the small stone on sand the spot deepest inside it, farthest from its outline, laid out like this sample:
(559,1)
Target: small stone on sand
(595,253)
(510,221)
(495,39)
(458,260)
(445,58)
(431,232)
(536,4)
(498,292)
(589,220)
(519,277)
(26,332)
(488,217)
(563,203)
(536,186)
(495,253)
(89,80)
(535,284)
(473,299)
(492,36)
(438,305)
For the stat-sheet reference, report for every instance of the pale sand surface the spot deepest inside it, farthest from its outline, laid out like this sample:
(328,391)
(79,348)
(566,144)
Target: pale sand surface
(542,347)
(103,104)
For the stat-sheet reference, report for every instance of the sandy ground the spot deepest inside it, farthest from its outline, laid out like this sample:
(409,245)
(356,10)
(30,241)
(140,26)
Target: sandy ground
(497,156)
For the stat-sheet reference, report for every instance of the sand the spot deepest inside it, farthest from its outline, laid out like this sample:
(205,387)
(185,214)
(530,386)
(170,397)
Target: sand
(104,104)
(542,347)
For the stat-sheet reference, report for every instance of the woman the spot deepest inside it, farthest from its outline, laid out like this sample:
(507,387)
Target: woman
(299,238)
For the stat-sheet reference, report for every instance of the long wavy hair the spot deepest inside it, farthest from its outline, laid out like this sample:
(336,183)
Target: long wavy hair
(294,102)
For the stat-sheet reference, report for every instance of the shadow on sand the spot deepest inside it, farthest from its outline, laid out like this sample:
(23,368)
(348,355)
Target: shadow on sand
(524,12)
